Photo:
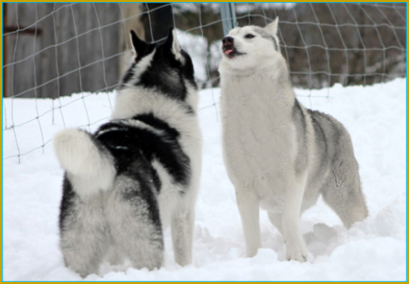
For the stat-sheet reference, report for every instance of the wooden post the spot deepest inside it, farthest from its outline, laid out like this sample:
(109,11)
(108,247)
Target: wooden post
(129,10)
(4,52)
(159,20)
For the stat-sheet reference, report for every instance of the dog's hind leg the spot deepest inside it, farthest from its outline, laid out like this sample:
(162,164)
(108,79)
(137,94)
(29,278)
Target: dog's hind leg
(342,192)
(83,238)
(139,240)
(248,204)
(134,222)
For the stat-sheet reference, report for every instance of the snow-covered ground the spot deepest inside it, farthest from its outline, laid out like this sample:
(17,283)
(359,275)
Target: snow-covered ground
(372,250)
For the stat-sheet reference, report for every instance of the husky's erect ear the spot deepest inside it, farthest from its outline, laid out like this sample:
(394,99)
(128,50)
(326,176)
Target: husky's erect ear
(139,46)
(272,27)
(172,42)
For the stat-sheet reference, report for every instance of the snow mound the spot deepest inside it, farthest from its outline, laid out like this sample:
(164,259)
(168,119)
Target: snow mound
(373,250)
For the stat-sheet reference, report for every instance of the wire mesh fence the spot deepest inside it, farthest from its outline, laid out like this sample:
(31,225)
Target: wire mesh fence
(53,50)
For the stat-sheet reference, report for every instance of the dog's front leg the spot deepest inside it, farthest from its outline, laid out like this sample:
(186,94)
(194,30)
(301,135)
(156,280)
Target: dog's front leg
(295,246)
(248,204)
(182,226)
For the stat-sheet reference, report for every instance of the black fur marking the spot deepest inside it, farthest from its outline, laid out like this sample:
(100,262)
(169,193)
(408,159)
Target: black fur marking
(128,75)
(156,180)
(166,75)
(127,143)
(141,172)
(188,68)
(148,50)
(151,120)
(67,201)
(141,47)
(143,188)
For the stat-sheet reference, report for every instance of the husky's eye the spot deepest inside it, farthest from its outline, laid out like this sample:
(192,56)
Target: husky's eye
(249,36)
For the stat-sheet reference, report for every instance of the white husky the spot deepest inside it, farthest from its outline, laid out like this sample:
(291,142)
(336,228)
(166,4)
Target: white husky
(278,154)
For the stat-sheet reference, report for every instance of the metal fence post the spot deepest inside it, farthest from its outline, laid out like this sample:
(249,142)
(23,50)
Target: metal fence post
(228,16)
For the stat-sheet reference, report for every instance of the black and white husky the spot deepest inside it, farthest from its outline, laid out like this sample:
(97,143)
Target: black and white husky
(278,154)
(137,173)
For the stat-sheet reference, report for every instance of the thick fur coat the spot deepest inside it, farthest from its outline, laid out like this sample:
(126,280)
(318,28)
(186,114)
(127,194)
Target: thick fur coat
(279,155)
(138,173)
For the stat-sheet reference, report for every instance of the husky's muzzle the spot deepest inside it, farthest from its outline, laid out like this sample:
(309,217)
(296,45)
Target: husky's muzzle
(228,47)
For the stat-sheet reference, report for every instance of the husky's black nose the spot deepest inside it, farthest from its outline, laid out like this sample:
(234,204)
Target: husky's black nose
(228,40)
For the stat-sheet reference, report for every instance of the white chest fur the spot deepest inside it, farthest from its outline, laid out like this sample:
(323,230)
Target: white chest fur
(258,134)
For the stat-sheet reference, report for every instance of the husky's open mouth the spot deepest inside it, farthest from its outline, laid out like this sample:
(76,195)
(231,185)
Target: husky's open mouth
(230,51)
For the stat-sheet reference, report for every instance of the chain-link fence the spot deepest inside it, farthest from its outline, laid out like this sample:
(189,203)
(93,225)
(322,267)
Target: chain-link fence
(52,50)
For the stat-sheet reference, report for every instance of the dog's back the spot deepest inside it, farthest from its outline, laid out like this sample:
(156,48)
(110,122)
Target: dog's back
(138,172)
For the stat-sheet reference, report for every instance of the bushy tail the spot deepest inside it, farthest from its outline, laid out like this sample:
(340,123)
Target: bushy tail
(89,165)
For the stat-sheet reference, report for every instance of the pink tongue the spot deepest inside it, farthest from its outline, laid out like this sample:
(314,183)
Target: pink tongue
(228,51)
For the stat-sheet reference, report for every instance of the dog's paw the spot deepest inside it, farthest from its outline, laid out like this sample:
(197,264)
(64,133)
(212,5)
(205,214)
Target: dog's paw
(298,254)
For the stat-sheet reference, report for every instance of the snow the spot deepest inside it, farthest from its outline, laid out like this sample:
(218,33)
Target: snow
(372,250)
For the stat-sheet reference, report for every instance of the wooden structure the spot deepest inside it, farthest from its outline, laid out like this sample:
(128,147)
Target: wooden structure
(56,49)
